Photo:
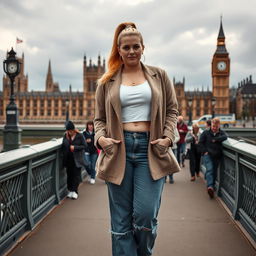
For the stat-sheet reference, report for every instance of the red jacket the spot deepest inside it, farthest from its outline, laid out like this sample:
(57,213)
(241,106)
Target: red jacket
(182,129)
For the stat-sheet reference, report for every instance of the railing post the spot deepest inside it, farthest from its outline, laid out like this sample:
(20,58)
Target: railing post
(56,176)
(28,196)
(238,190)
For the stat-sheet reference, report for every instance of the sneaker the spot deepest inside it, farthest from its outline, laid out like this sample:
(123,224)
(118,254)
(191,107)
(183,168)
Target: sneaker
(74,195)
(210,191)
(70,194)
(193,178)
(171,181)
(92,181)
(198,175)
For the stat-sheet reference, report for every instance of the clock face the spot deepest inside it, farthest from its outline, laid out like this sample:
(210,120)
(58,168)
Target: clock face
(12,67)
(221,65)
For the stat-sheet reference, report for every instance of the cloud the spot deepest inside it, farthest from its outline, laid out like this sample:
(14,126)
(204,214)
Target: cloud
(180,36)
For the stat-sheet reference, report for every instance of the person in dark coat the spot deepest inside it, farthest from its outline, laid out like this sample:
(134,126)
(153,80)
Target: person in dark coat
(193,137)
(73,146)
(211,147)
(91,153)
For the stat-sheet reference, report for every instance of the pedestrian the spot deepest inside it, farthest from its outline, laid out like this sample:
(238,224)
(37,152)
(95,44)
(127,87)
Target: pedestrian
(211,148)
(192,138)
(91,153)
(181,145)
(73,146)
(174,150)
(135,115)
(208,124)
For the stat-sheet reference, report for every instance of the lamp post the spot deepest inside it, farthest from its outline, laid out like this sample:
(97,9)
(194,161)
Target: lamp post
(67,111)
(190,101)
(213,107)
(11,132)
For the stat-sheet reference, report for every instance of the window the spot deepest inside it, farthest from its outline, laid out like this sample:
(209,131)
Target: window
(56,103)
(42,103)
(49,103)
(34,103)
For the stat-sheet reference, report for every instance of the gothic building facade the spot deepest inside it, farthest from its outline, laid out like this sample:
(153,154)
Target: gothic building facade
(52,104)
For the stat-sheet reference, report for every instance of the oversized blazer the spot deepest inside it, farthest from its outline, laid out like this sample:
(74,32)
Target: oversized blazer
(108,122)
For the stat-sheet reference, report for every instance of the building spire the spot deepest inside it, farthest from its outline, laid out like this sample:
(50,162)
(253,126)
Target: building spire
(49,78)
(221,31)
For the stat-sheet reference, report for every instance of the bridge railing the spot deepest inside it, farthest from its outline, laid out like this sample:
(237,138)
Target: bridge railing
(32,182)
(236,182)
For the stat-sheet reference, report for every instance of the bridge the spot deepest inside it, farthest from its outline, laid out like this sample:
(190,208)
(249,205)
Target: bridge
(37,219)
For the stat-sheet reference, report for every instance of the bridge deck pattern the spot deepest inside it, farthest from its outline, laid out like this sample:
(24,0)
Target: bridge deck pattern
(189,224)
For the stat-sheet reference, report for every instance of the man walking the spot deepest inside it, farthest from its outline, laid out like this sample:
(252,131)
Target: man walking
(211,148)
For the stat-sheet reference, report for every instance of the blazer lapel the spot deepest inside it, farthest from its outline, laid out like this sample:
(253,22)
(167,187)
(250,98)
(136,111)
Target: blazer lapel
(114,91)
(154,83)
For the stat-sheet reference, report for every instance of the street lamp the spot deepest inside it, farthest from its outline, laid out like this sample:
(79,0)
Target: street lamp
(213,107)
(190,101)
(67,111)
(12,132)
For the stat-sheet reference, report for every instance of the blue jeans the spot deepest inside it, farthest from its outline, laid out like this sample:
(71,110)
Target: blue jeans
(135,203)
(211,165)
(91,162)
(180,150)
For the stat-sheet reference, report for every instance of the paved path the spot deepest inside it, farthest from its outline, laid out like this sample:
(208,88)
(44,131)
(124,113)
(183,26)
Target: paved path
(189,224)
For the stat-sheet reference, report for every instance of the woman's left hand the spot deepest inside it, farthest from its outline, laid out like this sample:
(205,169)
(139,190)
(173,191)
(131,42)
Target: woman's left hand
(164,142)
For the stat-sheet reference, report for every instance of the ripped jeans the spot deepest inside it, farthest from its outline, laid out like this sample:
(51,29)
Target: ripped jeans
(135,203)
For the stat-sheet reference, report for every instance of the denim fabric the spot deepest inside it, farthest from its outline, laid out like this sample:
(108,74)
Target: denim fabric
(91,162)
(180,150)
(211,165)
(135,203)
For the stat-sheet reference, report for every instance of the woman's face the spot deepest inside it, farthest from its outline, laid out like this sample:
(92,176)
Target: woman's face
(130,50)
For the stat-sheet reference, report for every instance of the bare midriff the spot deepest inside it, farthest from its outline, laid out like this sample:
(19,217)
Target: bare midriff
(142,126)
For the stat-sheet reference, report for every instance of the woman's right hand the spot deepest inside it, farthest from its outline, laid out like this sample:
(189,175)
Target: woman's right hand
(104,142)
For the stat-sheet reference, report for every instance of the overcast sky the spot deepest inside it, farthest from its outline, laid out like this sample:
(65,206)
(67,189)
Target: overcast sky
(179,35)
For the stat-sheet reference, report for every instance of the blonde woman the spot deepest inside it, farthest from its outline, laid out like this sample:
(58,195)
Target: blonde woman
(135,117)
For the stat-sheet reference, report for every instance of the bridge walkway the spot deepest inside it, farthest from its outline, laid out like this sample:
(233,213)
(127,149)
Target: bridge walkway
(189,224)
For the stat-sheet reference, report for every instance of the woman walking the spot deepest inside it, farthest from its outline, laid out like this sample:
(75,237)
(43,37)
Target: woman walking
(135,118)
(73,146)
(91,153)
(193,137)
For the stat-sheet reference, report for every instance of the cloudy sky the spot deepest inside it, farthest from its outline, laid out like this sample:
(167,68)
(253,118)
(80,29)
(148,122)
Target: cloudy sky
(180,36)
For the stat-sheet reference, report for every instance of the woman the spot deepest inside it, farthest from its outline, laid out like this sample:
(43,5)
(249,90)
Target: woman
(73,146)
(91,153)
(193,137)
(135,117)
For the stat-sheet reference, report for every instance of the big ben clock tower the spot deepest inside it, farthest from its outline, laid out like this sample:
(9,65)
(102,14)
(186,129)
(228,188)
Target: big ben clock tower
(220,75)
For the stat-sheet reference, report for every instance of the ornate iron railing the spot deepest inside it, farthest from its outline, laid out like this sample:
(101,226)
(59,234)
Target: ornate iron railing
(32,181)
(236,182)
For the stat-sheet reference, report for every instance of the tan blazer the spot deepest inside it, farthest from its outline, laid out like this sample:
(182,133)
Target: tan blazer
(108,122)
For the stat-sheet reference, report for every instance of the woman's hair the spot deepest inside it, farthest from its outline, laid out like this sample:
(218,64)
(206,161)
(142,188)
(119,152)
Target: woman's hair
(195,126)
(114,61)
(87,125)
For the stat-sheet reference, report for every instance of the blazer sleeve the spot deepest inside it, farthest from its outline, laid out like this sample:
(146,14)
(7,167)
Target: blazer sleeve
(171,109)
(100,114)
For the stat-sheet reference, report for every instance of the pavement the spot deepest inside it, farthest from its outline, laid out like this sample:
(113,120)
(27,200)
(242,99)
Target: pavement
(189,224)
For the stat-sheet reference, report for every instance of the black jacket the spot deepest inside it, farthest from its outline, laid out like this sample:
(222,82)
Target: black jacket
(212,143)
(79,149)
(90,146)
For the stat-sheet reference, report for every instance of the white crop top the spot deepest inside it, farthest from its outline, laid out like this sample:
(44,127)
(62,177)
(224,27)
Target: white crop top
(135,102)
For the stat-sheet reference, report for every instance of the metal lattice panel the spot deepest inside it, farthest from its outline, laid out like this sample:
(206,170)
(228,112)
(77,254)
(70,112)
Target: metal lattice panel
(229,176)
(42,184)
(249,191)
(10,203)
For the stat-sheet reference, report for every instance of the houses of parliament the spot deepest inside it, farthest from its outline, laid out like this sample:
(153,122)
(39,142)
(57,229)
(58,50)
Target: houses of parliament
(51,105)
